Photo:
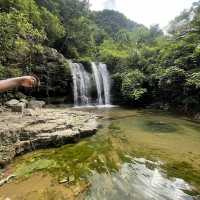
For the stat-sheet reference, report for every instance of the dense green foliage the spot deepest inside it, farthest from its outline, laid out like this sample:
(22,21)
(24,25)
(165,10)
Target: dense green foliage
(146,65)
(161,69)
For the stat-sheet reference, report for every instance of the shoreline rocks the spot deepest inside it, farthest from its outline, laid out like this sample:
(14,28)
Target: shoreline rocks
(42,128)
(20,105)
(36,104)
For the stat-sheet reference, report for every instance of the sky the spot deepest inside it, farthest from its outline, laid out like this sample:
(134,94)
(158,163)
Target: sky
(147,12)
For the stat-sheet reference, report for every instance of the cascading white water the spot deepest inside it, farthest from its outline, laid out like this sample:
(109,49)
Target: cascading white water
(106,82)
(81,82)
(98,81)
(102,80)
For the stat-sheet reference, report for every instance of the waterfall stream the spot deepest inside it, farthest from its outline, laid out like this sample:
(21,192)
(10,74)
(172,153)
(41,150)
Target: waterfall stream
(84,80)
(98,81)
(106,82)
(81,82)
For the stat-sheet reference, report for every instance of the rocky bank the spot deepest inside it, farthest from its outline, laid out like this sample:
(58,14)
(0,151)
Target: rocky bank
(42,128)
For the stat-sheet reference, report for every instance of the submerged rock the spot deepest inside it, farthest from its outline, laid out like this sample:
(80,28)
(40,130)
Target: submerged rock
(43,128)
(4,181)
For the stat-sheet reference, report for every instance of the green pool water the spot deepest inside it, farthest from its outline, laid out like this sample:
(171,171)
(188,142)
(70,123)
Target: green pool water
(136,154)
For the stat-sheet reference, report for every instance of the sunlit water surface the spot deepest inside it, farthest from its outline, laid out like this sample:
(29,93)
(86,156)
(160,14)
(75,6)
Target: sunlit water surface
(135,181)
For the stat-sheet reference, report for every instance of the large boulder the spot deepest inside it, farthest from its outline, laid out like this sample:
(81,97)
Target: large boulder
(15,105)
(18,107)
(12,103)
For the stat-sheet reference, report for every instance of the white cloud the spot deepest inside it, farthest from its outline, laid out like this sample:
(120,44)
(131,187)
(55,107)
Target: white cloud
(147,12)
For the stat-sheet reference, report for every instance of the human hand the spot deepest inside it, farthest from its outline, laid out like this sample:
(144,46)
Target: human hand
(29,81)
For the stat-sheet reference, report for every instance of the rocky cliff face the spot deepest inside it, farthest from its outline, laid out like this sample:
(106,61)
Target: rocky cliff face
(42,128)
(54,72)
(51,67)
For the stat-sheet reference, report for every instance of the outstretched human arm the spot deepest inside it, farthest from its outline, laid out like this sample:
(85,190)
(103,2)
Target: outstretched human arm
(24,81)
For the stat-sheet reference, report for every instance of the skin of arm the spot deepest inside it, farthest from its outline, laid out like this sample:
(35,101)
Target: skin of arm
(24,81)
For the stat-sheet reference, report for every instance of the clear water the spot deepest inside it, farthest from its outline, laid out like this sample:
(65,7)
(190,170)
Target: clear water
(137,154)
(136,181)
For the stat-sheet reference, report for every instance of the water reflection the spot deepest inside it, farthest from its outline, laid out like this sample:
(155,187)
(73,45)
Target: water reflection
(137,181)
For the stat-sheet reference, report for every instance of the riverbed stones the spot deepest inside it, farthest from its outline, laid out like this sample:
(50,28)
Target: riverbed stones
(2,108)
(28,112)
(24,101)
(43,128)
(34,104)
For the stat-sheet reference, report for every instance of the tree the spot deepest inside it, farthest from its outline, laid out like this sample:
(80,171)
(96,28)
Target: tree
(112,22)
(52,26)
(132,85)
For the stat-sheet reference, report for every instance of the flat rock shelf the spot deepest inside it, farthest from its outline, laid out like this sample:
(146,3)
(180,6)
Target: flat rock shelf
(42,128)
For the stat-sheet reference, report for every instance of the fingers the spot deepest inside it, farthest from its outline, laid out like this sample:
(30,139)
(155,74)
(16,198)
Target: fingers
(37,80)
(34,81)
(30,81)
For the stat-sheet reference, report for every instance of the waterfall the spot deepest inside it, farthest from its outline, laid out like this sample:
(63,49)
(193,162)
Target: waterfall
(83,82)
(102,80)
(106,82)
(98,81)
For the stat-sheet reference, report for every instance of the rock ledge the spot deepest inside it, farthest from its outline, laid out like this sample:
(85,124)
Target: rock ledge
(42,128)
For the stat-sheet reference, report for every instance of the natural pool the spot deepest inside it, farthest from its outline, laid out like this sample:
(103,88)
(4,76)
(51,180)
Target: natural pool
(136,154)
